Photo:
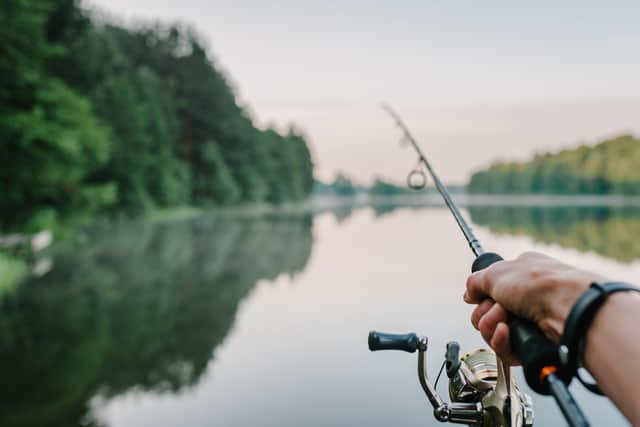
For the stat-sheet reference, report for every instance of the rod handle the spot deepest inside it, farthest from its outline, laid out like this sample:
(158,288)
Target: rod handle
(383,341)
(536,352)
(533,348)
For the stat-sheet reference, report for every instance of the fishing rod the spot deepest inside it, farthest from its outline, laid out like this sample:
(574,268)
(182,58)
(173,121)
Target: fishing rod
(481,387)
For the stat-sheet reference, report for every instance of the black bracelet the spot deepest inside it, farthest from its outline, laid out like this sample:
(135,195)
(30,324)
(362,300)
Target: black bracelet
(578,322)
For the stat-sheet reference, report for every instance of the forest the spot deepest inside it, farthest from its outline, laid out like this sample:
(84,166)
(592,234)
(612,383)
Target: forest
(610,167)
(98,118)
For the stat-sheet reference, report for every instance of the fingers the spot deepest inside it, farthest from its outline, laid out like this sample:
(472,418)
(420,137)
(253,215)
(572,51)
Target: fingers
(494,330)
(480,284)
(501,344)
(480,310)
(490,319)
(476,288)
(488,323)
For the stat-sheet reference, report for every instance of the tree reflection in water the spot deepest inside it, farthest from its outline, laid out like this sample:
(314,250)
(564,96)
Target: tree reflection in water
(609,231)
(134,305)
(141,306)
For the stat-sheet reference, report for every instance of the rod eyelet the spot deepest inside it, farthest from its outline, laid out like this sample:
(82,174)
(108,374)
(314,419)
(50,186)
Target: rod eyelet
(417,180)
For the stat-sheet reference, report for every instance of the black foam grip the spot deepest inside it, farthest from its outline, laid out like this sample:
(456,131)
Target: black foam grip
(484,261)
(384,341)
(535,351)
(533,348)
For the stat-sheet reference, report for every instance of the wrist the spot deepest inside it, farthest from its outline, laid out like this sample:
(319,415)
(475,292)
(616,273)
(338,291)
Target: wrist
(615,310)
(585,318)
(565,289)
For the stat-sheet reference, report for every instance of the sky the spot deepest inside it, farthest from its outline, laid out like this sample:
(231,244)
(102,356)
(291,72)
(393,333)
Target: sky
(475,81)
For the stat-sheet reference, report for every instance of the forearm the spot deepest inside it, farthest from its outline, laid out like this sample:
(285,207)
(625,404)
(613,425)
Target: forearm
(612,352)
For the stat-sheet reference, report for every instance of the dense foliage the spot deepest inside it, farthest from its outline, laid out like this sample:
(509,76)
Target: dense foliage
(95,116)
(343,186)
(610,167)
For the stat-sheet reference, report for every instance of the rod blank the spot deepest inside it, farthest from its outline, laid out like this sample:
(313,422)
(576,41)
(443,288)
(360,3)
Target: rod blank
(474,244)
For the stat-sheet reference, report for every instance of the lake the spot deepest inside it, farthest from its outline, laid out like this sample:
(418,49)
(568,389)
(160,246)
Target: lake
(261,320)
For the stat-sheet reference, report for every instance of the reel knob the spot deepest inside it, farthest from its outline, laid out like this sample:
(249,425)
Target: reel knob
(384,341)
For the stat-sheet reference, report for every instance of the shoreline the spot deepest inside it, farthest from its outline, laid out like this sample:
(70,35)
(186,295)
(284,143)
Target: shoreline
(323,203)
(465,199)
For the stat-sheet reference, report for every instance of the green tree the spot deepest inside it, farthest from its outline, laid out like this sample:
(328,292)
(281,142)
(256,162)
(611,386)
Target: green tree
(51,141)
(96,115)
(609,167)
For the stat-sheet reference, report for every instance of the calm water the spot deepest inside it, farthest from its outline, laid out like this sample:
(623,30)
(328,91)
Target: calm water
(262,321)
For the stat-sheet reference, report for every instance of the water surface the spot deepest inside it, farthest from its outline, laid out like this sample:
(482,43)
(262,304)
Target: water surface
(262,320)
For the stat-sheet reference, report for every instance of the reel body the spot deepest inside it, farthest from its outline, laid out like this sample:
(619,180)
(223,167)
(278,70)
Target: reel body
(477,384)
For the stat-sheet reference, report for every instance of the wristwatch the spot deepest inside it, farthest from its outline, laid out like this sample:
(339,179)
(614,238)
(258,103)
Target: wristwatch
(577,324)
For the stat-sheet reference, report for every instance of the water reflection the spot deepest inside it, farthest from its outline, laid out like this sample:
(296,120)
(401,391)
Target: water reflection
(606,230)
(134,306)
(128,327)
(609,231)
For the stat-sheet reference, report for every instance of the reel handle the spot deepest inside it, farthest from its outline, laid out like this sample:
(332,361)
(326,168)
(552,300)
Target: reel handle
(533,348)
(383,341)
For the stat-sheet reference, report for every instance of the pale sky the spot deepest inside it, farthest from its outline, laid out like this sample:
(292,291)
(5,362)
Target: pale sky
(475,81)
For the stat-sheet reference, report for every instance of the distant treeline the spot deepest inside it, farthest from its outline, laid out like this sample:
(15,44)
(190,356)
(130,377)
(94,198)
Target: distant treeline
(343,186)
(610,167)
(96,116)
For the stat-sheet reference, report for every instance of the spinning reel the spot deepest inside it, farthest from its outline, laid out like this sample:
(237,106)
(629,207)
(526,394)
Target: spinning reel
(482,392)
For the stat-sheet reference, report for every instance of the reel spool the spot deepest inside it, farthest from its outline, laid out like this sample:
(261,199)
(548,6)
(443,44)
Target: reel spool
(477,375)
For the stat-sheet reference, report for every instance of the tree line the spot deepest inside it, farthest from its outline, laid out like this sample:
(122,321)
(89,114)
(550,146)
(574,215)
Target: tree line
(343,186)
(610,167)
(97,117)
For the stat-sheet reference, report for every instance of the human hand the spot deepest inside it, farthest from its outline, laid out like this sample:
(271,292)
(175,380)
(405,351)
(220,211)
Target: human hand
(534,287)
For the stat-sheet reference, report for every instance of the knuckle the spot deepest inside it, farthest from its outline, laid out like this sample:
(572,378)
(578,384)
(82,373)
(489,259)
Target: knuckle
(470,281)
(544,287)
(501,313)
(498,268)
(535,271)
(485,326)
(528,255)
(495,273)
